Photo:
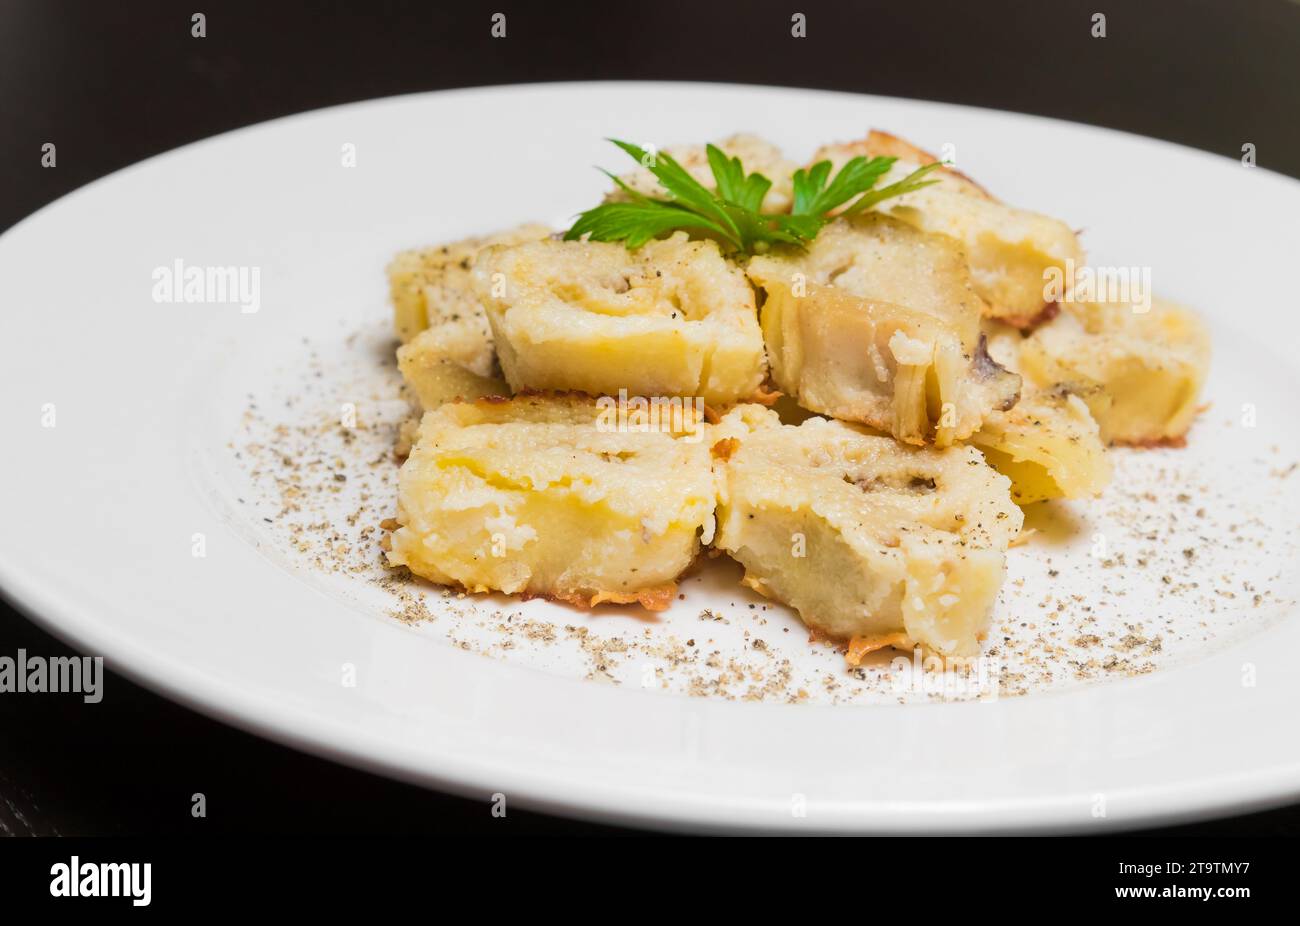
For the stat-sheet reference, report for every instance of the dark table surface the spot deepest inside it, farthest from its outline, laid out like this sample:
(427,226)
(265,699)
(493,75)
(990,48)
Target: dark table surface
(113,83)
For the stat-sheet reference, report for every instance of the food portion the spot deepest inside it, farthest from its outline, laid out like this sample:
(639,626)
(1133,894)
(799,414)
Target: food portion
(547,496)
(1048,445)
(432,285)
(877,257)
(866,538)
(453,359)
(447,350)
(590,399)
(1009,250)
(672,318)
(878,323)
(1141,368)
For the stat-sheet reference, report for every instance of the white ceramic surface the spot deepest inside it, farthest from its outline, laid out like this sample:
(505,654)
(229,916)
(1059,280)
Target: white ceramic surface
(149,449)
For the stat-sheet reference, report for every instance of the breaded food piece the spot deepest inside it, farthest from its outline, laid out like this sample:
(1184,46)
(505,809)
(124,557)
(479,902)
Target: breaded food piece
(886,260)
(1010,251)
(756,154)
(864,537)
(1048,445)
(672,318)
(880,144)
(877,322)
(549,496)
(428,285)
(451,360)
(1141,372)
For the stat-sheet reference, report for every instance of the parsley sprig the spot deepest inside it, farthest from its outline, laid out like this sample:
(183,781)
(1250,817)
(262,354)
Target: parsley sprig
(733,214)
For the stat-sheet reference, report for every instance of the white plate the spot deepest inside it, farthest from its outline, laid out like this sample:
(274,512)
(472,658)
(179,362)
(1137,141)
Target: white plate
(151,446)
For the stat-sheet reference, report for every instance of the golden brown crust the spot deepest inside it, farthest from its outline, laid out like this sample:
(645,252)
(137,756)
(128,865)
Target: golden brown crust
(766,395)
(1172,441)
(883,144)
(860,647)
(568,394)
(818,636)
(1176,442)
(1048,312)
(724,448)
(656,598)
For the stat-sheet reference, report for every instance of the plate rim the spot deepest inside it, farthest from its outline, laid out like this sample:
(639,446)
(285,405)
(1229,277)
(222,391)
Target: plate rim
(45,607)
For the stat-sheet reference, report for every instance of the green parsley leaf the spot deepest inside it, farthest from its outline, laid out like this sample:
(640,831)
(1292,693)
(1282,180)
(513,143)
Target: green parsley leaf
(733,185)
(908,184)
(812,196)
(681,186)
(733,215)
(637,222)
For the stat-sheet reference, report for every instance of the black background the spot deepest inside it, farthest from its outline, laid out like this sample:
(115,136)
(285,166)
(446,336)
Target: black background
(113,82)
